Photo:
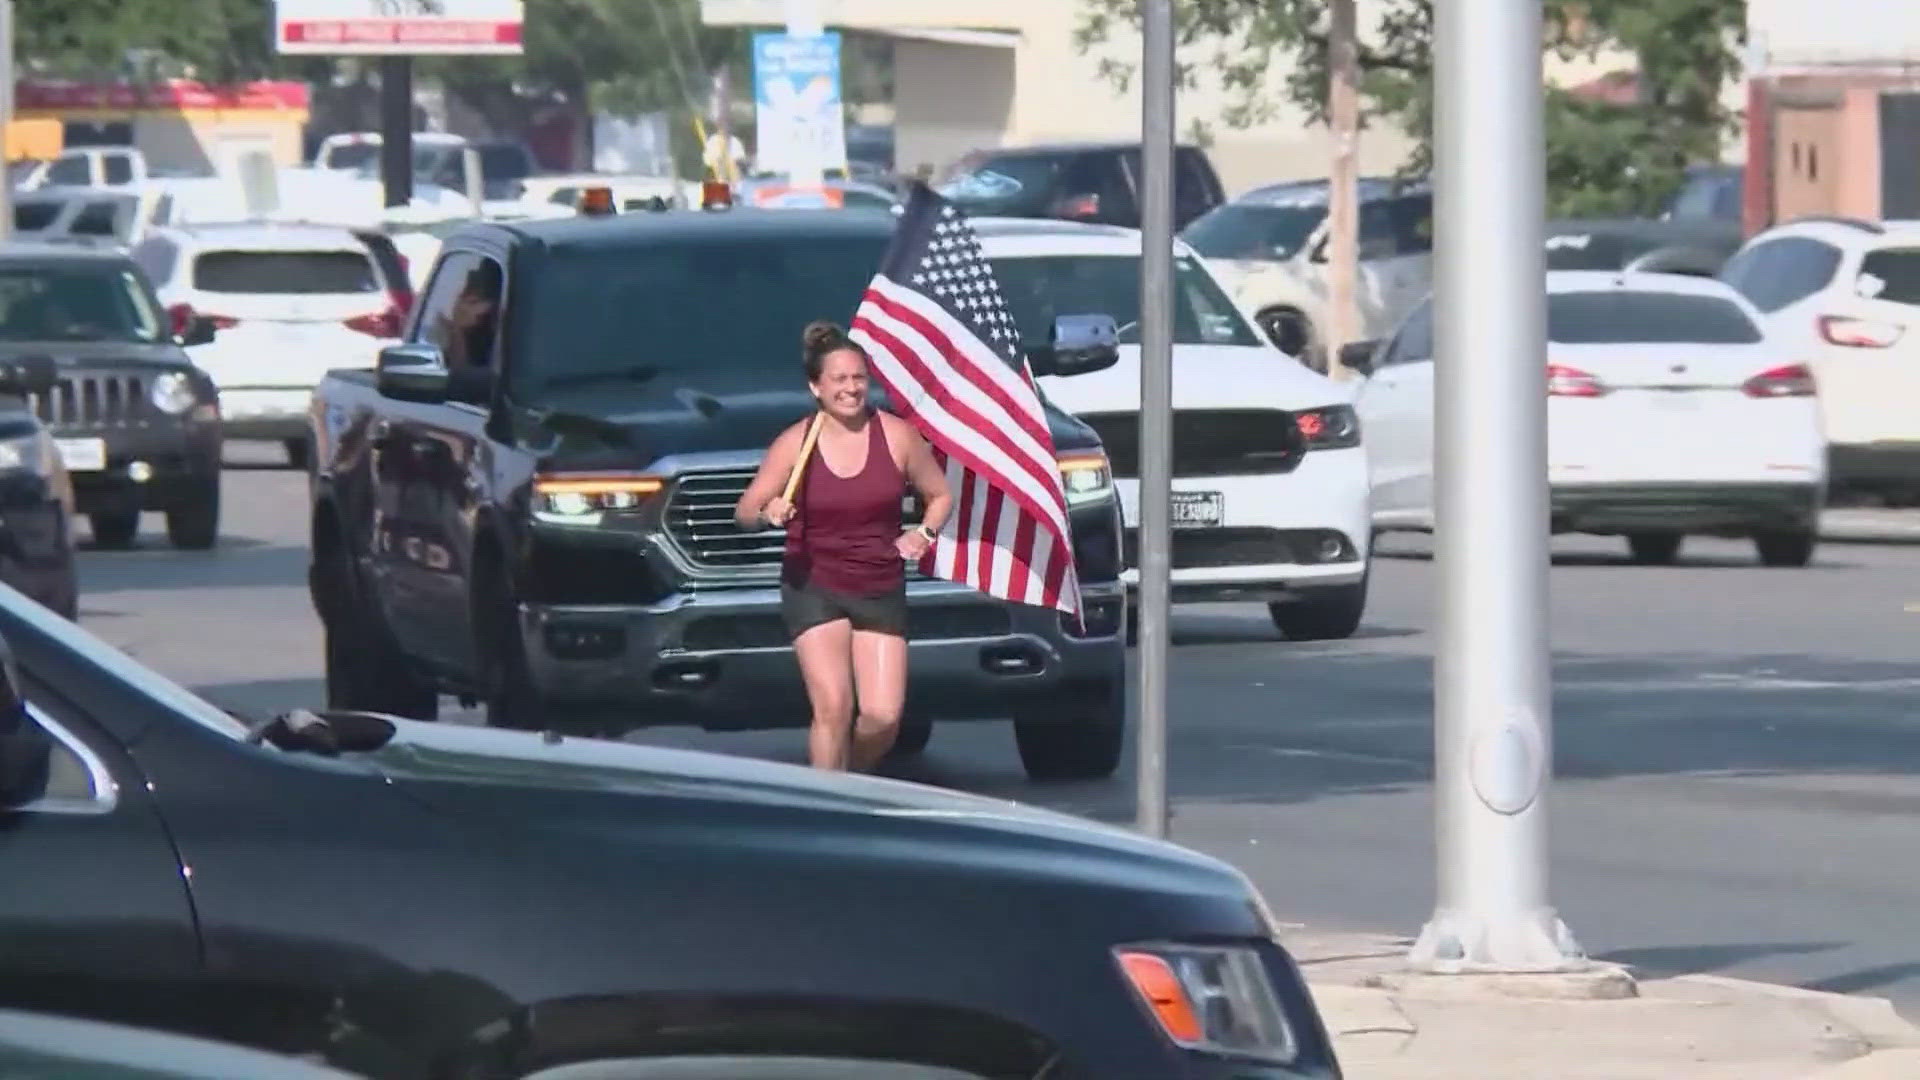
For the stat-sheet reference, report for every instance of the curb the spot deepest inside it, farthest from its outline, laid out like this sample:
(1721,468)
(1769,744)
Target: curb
(1874,1018)
(1870,526)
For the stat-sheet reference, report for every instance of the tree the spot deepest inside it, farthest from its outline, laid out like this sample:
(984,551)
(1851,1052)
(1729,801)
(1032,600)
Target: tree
(110,37)
(1603,157)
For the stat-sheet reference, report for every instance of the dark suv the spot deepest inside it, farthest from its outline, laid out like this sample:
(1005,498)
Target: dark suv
(1098,183)
(137,425)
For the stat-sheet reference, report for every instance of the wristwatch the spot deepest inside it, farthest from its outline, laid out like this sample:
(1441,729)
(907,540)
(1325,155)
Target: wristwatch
(926,532)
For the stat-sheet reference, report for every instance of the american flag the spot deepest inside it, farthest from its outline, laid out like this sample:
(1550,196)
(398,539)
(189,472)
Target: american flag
(949,355)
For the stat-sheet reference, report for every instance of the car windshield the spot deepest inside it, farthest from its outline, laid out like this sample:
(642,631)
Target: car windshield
(729,310)
(1039,289)
(1646,318)
(285,272)
(1011,186)
(354,156)
(1253,231)
(77,303)
(1891,274)
(1594,251)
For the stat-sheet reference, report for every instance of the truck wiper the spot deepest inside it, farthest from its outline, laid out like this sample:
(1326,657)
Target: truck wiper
(637,373)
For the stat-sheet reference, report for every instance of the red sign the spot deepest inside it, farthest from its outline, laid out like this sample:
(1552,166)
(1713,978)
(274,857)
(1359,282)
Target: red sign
(171,95)
(397,32)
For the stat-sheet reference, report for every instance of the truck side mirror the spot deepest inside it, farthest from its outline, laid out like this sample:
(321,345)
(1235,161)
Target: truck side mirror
(1078,344)
(200,330)
(28,375)
(414,371)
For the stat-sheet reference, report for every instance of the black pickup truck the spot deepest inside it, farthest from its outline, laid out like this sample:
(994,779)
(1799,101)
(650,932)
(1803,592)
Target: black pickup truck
(529,501)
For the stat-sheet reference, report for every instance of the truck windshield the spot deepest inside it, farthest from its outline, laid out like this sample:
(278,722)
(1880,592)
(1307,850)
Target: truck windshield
(727,312)
(77,303)
(1253,231)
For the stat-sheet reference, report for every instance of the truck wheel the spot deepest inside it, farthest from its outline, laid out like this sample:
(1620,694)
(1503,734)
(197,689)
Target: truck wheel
(513,702)
(1076,737)
(1654,548)
(1785,549)
(298,453)
(116,529)
(366,671)
(1330,614)
(196,526)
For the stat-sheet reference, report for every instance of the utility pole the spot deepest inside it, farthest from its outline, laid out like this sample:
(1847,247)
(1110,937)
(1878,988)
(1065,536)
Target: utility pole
(396,128)
(1493,722)
(6,109)
(1343,184)
(1156,407)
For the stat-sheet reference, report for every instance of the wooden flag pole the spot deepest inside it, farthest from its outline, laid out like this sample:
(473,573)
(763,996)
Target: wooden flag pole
(806,449)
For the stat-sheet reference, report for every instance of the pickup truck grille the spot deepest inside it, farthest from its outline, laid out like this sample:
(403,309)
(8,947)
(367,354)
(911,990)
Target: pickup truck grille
(92,400)
(699,515)
(1208,442)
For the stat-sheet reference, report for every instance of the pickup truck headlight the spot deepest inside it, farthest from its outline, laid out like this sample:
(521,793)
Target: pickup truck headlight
(585,500)
(1214,999)
(173,393)
(1086,478)
(1335,427)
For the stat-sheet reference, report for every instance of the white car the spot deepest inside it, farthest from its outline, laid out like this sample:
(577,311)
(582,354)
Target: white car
(1669,412)
(285,298)
(1269,477)
(1844,296)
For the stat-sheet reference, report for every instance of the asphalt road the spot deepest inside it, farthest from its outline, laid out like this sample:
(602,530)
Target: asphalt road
(1736,747)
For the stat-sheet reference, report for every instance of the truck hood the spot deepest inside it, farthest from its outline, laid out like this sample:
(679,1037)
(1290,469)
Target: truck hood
(482,770)
(615,427)
(96,354)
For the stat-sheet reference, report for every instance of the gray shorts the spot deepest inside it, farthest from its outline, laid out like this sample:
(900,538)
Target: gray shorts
(804,607)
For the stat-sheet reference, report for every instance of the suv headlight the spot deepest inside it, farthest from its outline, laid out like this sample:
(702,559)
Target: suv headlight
(1086,478)
(1213,999)
(172,392)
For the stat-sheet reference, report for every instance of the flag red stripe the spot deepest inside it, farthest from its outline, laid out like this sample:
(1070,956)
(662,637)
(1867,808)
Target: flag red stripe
(1022,559)
(963,364)
(989,534)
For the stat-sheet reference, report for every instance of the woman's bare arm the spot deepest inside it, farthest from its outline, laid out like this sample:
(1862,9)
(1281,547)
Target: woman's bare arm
(772,477)
(929,480)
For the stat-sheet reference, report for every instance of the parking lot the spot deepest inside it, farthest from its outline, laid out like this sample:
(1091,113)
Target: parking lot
(1736,746)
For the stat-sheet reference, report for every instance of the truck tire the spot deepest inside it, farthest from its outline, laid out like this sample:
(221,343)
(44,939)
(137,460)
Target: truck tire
(115,529)
(513,702)
(366,672)
(299,453)
(1655,547)
(1078,736)
(1786,549)
(195,526)
(1329,614)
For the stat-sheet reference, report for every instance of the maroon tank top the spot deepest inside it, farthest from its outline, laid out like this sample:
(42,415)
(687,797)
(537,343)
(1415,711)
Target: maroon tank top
(843,530)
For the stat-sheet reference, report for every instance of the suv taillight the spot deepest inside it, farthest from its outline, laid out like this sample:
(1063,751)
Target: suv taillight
(1564,381)
(1790,380)
(1859,333)
(180,315)
(386,324)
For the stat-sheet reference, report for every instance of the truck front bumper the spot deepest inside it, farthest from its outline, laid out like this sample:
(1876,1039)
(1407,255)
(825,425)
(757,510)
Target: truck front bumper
(720,658)
(165,466)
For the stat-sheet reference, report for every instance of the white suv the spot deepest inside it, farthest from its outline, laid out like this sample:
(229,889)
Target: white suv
(1844,297)
(1270,499)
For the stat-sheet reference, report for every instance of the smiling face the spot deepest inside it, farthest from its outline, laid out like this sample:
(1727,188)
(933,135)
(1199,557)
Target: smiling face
(842,385)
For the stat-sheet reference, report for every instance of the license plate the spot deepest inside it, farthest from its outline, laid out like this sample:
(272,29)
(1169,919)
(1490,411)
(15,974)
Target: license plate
(1198,509)
(83,455)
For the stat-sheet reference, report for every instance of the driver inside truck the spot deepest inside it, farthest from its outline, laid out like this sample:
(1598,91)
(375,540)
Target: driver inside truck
(468,330)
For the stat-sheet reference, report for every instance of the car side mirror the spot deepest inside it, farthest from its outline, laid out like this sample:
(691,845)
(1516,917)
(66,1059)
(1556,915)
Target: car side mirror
(414,371)
(1358,356)
(200,330)
(28,375)
(1078,344)
(26,748)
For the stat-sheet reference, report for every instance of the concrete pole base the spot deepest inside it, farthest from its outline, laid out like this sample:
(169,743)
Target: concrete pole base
(1525,954)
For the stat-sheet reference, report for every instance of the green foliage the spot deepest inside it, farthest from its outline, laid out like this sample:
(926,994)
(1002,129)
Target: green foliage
(1602,158)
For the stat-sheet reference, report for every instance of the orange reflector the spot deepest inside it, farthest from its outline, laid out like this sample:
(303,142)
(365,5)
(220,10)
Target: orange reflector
(596,201)
(637,485)
(1160,987)
(1082,462)
(715,193)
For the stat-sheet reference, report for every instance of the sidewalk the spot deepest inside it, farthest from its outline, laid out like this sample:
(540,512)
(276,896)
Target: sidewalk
(1871,526)
(1387,1026)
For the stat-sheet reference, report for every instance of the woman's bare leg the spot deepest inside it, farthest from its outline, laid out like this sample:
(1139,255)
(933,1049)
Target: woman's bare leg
(823,654)
(880,675)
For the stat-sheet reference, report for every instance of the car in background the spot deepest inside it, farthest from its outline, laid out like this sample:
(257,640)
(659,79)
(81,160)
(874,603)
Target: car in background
(781,193)
(1636,245)
(1709,193)
(136,424)
(1091,182)
(36,493)
(83,166)
(630,192)
(1269,247)
(1669,413)
(354,151)
(1843,296)
(1269,477)
(299,297)
(364,891)
(35,1045)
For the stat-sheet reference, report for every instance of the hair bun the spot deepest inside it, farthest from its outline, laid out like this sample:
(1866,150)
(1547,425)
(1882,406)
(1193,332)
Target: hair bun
(822,336)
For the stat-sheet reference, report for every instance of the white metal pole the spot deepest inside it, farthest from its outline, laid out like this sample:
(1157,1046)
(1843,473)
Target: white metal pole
(1343,185)
(1156,408)
(1493,738)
